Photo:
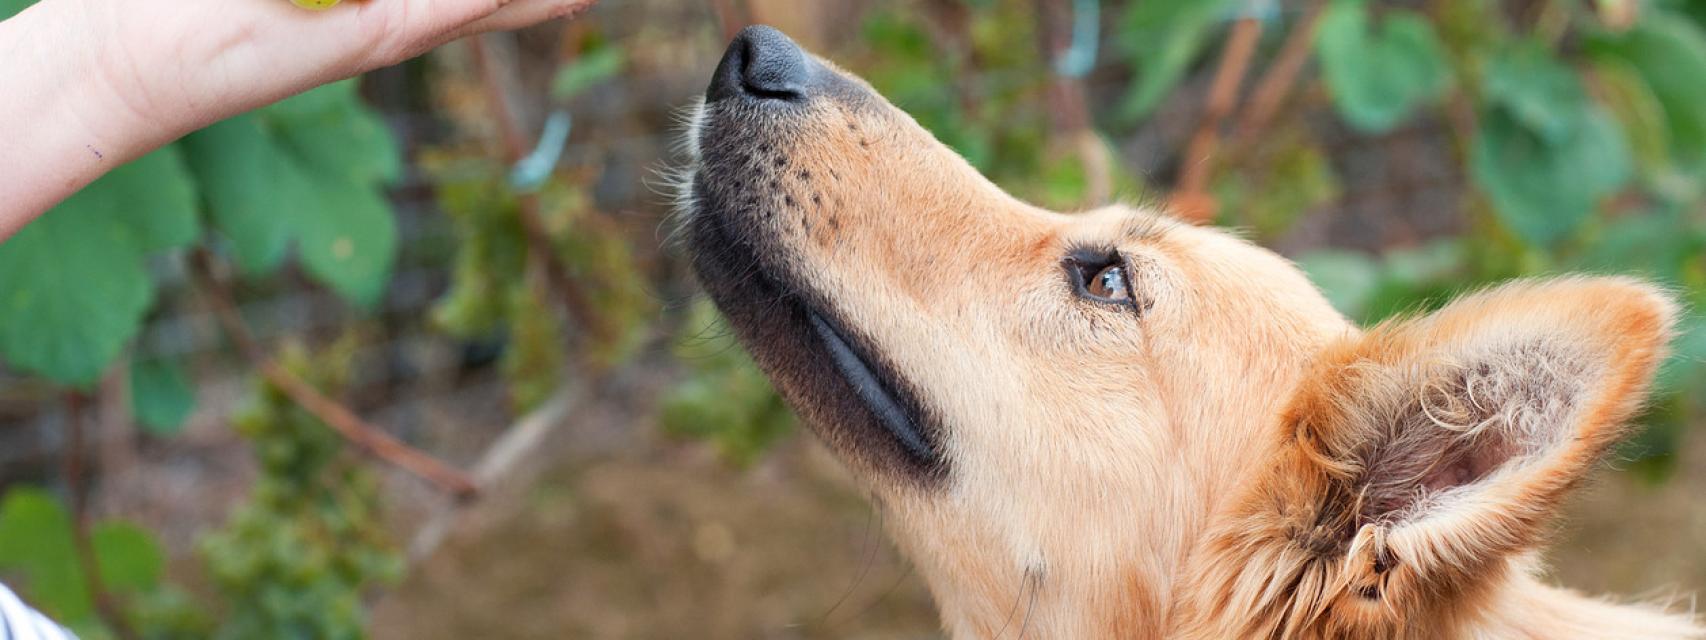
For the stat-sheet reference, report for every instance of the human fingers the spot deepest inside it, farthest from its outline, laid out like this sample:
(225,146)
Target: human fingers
(522,13)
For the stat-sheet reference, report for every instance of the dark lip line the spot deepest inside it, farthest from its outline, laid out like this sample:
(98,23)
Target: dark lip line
(899,414)
(871,387)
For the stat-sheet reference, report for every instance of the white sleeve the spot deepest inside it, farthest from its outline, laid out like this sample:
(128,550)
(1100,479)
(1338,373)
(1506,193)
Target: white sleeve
(19,622)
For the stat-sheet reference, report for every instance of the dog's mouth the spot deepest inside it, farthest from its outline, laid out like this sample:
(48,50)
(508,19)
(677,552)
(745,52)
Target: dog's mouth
(872,389)
(851,396)
(749,205)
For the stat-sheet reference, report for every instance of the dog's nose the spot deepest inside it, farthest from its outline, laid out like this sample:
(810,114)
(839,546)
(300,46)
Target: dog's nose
(761,63)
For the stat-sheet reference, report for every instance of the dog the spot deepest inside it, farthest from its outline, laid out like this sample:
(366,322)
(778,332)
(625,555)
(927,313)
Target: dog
(1111,424)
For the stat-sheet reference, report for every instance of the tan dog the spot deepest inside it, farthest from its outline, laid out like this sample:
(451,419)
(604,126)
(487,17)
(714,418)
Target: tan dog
(1111,425)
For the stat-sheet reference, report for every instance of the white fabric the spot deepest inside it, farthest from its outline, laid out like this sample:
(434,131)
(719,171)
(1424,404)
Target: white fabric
(19,622)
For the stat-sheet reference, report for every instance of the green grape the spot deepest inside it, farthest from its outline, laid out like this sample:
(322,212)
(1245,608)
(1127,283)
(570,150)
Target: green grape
(315,5)
(533,361)
(294,561)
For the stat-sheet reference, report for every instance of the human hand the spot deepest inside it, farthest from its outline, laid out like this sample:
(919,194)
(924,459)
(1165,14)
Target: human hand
(205,60)
(91,84)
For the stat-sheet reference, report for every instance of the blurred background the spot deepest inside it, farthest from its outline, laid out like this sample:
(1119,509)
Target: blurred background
(409,357)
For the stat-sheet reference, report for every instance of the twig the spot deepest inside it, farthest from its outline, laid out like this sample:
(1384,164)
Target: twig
(539,246)
(1069,105)
(1280,77)
(340,418)
(1192,198)
(115,424)
(496,465)
(105,607)
(1068,108)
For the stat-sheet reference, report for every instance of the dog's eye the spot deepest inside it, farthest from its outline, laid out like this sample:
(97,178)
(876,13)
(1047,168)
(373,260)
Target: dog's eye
(1100,276)
(1109,284)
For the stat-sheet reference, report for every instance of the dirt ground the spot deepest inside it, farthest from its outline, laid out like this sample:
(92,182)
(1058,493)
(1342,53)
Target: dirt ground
(668,542)
(671,545)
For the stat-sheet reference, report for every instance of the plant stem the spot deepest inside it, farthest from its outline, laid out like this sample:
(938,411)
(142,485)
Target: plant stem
(336,415)
(540,249)
(1069,104)
(1280,78)
(77,484)
(1191,197)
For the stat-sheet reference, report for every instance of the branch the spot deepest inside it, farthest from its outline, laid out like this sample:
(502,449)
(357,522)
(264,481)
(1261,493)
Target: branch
(1280,78)
(539,246)
(1192,199)
(501,461)
(519,452)
(105,607)
(340,418)
(1068,101)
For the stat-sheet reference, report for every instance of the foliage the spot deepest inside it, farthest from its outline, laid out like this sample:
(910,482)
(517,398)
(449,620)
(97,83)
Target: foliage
(1545,154)
(1161,39)
(296,559)
(993,109)
(77,283)
(309,171)
(161,395)
(594,67)
(37,547)
(725,398)
(1379,74)
(1582,143)
(1298,177)
(494,291)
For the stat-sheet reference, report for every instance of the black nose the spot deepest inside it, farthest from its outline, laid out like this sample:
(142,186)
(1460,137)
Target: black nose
(761,63)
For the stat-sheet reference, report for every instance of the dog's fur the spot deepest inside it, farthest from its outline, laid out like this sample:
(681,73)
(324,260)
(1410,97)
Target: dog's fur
(1225,457)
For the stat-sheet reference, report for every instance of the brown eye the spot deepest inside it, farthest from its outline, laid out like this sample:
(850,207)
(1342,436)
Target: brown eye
(1109,284)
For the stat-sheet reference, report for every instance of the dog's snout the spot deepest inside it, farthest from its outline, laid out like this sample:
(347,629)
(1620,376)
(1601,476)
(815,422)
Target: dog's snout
(761,63)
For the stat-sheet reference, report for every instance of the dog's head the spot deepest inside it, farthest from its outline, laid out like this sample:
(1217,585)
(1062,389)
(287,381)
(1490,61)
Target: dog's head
(1112,424)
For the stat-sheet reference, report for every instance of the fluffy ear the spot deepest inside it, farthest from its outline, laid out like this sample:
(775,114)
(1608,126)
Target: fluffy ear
(1418,460)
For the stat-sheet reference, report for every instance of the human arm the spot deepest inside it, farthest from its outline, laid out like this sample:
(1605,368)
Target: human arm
(87,85)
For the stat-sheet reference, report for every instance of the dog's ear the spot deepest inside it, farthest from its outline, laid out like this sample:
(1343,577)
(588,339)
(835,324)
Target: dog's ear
(1418,459)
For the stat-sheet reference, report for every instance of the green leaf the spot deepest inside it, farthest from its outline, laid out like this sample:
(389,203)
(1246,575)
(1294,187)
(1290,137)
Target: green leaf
(254,192)
(1538,91)
(1628,97)
(36,543)
(1378,76)
(351,244)
(160,396)
(129,559)
(1655,245)
(343,138)
(587,71)
(308,171)
(1670,54)
(1540,190)
(76,284)
(1164,37)
(9,8)
(328,97)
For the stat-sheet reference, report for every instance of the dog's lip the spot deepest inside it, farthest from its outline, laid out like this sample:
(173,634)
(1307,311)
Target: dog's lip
(871,388)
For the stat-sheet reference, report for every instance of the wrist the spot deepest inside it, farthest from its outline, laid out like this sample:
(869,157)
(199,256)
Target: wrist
(65,122)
